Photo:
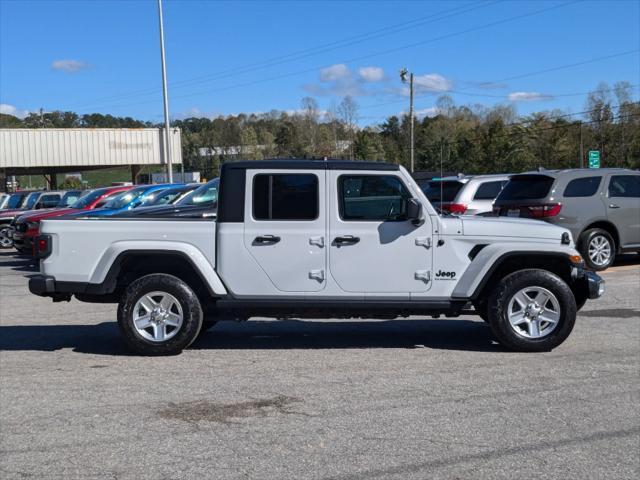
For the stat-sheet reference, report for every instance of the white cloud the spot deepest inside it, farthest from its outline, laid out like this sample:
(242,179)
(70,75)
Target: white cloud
(371,74)
(528,96)
(432,82)
(334,73)
(69,66)
(424,112)
(11,110)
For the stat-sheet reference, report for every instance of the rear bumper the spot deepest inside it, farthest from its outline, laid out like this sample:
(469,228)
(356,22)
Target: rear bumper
(47,286)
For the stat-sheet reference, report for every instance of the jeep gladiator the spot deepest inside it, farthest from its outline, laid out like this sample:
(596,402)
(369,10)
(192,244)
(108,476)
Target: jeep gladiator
(316,239)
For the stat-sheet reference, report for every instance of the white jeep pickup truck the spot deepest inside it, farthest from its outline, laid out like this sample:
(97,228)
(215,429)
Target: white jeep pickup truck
(316,239)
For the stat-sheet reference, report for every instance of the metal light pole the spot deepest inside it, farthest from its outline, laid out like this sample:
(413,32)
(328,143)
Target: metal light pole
(165,96)
(403,77)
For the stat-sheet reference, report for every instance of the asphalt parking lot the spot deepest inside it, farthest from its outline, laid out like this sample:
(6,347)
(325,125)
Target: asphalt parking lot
(418,398)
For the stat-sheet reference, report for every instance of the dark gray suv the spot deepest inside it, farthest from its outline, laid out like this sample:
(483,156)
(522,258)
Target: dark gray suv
(600,207)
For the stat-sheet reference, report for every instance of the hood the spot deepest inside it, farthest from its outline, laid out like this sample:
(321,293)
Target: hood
(12,213)
(37,215)
(171,211)
(510,227)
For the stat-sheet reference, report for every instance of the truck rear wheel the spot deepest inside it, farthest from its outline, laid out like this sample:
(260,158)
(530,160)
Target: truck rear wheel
(532,311)
(159,314)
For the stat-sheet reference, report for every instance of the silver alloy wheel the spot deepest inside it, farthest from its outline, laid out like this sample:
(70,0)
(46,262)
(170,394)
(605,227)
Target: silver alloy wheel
(533,312)
(157,316)
(600,250)
(6,241)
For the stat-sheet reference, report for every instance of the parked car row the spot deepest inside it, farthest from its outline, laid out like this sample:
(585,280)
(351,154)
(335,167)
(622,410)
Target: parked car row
(601,207)
(22,225)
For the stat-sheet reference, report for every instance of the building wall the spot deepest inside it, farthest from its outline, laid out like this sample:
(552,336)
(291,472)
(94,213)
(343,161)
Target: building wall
(85,147)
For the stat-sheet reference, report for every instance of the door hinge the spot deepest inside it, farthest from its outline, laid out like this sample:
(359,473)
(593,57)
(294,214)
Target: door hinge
(424,275)
(423,242)
(319,241)
(317,275)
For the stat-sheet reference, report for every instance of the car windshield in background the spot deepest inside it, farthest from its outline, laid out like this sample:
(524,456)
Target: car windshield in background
(88,198)
(207,194)
(125,198)
(31,200)
(164,197)
(15,200)
(442,191)
(526,187)
(69,199)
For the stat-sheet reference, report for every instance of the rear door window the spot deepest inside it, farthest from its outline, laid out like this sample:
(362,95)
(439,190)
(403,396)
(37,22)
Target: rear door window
(442,191)
(582,187)
(625,186)
(526,187)
(488,190)
(285,197)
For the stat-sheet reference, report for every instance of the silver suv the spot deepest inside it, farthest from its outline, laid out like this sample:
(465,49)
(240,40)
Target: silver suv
(601,207)
(465,195)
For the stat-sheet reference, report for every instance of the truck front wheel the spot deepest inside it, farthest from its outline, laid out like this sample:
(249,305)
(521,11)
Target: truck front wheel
(532,311)
(159,314)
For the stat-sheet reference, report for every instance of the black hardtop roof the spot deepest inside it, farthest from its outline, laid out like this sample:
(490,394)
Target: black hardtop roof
(305,164)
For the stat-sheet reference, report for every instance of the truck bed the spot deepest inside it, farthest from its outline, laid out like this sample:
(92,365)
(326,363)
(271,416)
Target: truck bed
(89,246)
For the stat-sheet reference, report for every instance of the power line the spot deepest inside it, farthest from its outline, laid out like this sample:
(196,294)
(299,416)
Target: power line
(504,97)
(349,41)
(368,56)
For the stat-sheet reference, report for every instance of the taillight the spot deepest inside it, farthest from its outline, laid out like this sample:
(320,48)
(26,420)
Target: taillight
(457,208)
(42,246)
(543,211)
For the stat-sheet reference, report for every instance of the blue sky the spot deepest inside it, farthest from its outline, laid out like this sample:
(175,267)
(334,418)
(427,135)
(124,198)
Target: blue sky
(228,57)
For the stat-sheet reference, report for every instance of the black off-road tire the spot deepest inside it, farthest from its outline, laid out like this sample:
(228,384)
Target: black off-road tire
(481,309)
(206,326)
(191,308)
(586,238)
(510,285)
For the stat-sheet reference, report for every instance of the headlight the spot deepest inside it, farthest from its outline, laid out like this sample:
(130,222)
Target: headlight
(32,225)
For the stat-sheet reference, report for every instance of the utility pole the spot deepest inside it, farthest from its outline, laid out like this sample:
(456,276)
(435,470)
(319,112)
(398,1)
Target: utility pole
(403,77)
(581,148)
(165,96)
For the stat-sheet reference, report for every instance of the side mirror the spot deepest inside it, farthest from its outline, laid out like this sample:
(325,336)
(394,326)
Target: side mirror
(414,211)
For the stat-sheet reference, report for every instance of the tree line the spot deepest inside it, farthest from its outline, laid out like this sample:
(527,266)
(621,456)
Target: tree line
(462,138)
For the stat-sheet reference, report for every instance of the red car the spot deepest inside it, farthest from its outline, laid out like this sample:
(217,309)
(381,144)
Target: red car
(27,226)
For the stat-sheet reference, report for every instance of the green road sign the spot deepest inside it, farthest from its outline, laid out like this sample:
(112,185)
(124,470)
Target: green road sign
(594,159)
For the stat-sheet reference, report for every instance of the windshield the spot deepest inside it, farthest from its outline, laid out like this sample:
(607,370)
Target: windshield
(88,198)
(69,198)
(526,187)
(15,200)
(442,191)
(165,197)
(31,200)
(125,198)
(207,194)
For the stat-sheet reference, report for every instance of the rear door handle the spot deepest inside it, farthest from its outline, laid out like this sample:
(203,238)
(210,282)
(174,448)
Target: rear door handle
(613,205)
(266,239)
(346,240)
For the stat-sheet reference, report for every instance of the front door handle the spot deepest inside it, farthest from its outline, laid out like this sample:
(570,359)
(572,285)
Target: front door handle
(346,240)
(266,239)
(613,205)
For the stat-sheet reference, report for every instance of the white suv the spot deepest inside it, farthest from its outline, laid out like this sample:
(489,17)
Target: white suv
(465,195)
